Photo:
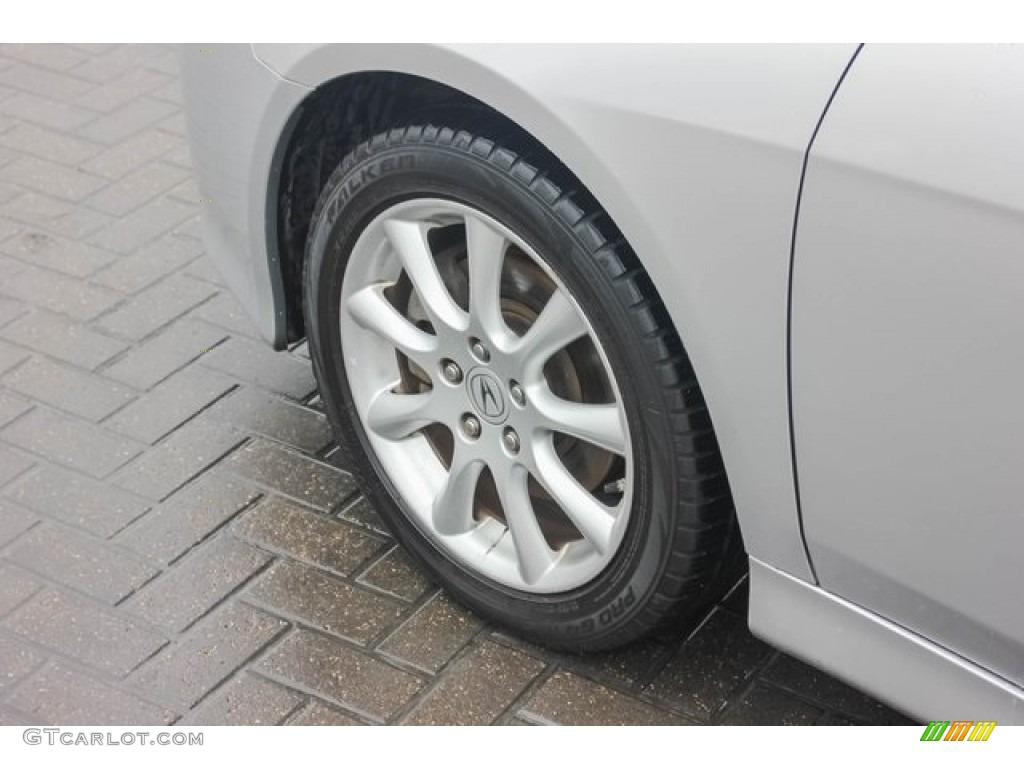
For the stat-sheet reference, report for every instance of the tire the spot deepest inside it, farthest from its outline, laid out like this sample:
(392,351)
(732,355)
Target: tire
(499,519)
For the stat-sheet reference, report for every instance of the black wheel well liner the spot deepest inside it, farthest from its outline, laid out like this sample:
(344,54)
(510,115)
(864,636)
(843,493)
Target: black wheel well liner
(332,121)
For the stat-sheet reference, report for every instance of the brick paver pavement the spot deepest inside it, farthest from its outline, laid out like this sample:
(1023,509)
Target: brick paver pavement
(176,544)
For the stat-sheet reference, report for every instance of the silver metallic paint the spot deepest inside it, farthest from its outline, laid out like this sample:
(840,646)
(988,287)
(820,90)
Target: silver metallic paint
(908,346)
(907,292)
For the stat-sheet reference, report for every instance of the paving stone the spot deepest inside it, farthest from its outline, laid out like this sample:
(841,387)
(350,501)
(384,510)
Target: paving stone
(46,112)
(69,389)
(127,119)
(190,227)
(179,156)
(290,530)
(246,700)
(178,459)
(79,223)
(178,125)
(11,464)
(362,513)
(187,517)
(16,586)
(568,699)
(51,178)
(769,706)
(297,592)
(13,718)
(8,228)
(127,234)
(112,62)
(208,653)
(12,406)
(123,89)
(68,256)
(738,599)
(788,673)
(60,695)
(10,356)
(61,338)
(710,666)
(263,414)
(52,85)
(82,562)
(434,634)
(60,293)
(56,216)
(203,268)
(93,49)
(17,660)
(155,307)
(137,188)
(170,403)
(225,311)
(132,273)
(187,190)
(49,145)
(256,362)
(317,713)
(75,500)
(159,357)
(132,153)
(35,208)
(9,268)
(10,309)
(291,474)
(14,521)
(170,92)
(84,630)
(478,688)
(196,584)
(397,575)
(831,719)
(74,444)
(341,674)
(48,55)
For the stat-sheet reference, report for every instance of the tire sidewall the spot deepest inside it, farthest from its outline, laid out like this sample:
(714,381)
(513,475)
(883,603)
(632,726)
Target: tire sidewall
(377,180)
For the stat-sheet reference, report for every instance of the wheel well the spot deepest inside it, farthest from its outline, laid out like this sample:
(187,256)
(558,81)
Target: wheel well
(344,112)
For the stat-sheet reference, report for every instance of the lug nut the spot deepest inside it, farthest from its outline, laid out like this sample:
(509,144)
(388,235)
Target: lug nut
(517,393)
(479,350)
(470,426)
(451,372)
(510,440)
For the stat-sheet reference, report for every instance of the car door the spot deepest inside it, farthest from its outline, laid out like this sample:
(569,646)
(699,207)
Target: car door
(907,346)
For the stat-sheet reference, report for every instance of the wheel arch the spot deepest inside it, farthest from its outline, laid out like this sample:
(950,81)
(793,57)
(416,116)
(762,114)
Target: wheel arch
(675,177)
(344,111)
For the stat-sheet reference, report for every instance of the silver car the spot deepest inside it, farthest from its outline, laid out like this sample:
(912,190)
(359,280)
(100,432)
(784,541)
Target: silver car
(597,327)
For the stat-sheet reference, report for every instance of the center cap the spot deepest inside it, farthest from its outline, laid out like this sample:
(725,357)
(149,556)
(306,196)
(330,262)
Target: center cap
(487,395)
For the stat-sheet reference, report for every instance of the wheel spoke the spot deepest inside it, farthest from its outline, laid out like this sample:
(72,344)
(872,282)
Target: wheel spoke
(533,554)
(486,250)
(373,312)
(395,416)
(592,518)
(452,512)
(409,239)
(598,424)
(558,325)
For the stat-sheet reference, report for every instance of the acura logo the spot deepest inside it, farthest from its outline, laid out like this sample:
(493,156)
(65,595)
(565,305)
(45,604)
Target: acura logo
(487,394)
